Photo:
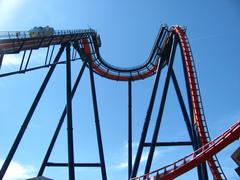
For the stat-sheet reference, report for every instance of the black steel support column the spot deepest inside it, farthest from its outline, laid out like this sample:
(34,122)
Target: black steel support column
(129,128)
(87,165)
(97,122)
(183,107)
(203,166)
(179,143)
(1,59)
(162,104)
(202,169)
(54,138)
(69,115)
(29,116)
(147,121)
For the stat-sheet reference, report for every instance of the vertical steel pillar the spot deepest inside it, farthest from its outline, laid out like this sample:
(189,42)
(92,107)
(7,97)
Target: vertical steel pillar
(69,115)
(29,115)
(161,108)
(129,128)
(147,121)
(202,167)
(97,122)
(58,128)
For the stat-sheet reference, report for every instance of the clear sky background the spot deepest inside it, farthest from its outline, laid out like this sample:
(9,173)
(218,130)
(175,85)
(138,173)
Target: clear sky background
(128,30)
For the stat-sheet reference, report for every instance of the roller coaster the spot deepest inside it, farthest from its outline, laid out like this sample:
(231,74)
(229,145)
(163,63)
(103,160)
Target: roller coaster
(85,46)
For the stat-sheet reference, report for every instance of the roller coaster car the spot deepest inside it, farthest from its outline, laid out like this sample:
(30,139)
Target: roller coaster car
(41,31)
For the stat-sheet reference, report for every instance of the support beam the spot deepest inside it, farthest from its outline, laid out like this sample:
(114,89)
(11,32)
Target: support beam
(59,126)
(29,116)
(129,128)
(183,107)
(147,120)
(23,58)
(69,115)
(28,59)
(180,143)
(162,104)
(97,121)
(202,168)
(1,59)
(51,164)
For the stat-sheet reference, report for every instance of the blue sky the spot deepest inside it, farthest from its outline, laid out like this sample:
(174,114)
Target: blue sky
(127,29)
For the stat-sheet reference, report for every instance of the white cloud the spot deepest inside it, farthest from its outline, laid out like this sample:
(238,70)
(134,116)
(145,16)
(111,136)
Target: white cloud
(17,171)
(123,163)
(36,58)
(11,60)
(8,9)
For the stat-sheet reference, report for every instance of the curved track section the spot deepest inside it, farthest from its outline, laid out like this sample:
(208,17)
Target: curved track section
(194,159)
(101,67)
(89,40)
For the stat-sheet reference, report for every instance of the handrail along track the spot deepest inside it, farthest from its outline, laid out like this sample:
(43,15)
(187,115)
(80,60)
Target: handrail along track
(192,160)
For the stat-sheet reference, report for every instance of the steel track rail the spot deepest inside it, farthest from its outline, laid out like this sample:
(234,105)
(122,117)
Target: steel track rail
(10,43)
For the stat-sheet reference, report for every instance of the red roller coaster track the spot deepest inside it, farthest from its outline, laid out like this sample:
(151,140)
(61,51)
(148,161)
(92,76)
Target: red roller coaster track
(87,42)
(204,153)
(198,113)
